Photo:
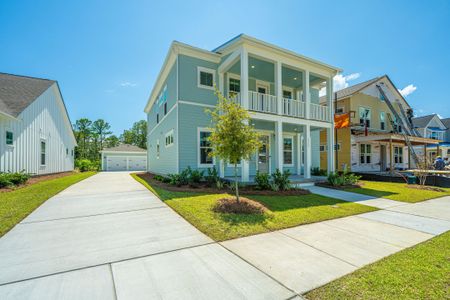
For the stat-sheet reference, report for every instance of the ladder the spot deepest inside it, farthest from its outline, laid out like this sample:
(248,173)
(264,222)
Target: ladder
(406,120)
(395,126)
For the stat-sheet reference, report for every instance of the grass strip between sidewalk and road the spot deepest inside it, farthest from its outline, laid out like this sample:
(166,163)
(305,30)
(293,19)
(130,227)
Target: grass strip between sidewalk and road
(419,272)
(15,205)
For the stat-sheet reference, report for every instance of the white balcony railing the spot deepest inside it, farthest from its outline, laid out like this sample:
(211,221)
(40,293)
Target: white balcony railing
(293,108)
(319,112)
(262,102)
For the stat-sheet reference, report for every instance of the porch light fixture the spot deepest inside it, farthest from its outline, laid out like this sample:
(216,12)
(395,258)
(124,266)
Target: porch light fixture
(253,67)
(295,78)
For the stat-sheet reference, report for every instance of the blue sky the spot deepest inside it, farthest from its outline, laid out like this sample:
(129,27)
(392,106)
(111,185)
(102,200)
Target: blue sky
(107,54)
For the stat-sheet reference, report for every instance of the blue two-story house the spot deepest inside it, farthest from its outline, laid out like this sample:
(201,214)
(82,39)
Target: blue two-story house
(280,88)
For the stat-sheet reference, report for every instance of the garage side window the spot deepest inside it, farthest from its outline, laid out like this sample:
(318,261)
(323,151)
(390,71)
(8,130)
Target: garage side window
(169,139)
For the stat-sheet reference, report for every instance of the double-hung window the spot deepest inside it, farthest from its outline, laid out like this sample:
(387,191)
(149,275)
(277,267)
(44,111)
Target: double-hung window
(169,138)
(204,149)
(9,138)
(365,153)
(382,121)
(287,150)
(43,153)
(157,149)
(339,110)
(234,87)
(322,148)
(398,155)
(205,78)
(364,116)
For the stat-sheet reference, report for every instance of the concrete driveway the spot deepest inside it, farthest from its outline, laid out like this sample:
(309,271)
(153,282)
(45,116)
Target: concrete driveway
(108,237)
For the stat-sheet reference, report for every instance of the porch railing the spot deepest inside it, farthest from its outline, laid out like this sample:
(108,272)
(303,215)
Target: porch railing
(293,108)
(262,102)
(319,112)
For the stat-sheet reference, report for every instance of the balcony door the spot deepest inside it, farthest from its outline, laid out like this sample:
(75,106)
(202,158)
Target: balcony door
(263,90)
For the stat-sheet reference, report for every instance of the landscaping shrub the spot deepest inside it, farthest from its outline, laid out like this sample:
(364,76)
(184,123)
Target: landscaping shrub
(213,177)
(12,179)
(318,172)
(180,179)
(343,179)
(194,178)
(281,180)
(83,165)
(262,181)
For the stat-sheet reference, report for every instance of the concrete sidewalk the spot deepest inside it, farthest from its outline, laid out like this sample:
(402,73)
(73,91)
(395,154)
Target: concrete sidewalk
(108,237)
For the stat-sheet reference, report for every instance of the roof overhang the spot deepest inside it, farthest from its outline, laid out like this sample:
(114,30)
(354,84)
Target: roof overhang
(395,138)
(8,116)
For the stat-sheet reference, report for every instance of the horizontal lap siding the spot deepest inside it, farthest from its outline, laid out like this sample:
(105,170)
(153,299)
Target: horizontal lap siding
(44,119)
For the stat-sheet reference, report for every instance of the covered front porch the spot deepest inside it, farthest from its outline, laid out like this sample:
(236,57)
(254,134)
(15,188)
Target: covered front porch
(287,144)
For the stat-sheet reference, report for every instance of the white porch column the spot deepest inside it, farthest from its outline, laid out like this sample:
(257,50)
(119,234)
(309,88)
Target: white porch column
(299,154)
(307,95)
(103,167)
(221,168)
(330,98)
(221,83)
(331,150)
(244,78)
(279,145)
(307,141)
(278,87)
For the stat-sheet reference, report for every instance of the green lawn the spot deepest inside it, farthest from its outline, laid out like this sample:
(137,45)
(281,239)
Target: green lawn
(397,191)
(17,204)
(285,211)
(420,272)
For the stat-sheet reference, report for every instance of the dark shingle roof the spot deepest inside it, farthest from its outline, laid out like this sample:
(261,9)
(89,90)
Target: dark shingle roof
(446,122)
(17,92)
(422,122)
(347,92)
(125,148)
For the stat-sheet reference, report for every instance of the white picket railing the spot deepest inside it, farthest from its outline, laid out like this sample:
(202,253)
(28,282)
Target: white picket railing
(262,102)
(293,108)
(319,112)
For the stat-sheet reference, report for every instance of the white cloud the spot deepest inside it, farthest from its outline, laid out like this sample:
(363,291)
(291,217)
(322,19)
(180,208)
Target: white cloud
(407,90)
(128,84)
(341,82)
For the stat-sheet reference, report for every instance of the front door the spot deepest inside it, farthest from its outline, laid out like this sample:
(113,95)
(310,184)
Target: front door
(382,158)
(262,91)
(263,155)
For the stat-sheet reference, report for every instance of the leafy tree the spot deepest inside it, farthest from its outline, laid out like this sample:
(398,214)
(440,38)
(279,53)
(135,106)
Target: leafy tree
(232,138)
(112,141)
(100,130)
(137,135)
(83,133)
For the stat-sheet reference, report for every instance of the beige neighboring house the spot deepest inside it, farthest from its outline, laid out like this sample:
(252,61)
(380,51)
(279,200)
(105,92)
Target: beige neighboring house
(124,158)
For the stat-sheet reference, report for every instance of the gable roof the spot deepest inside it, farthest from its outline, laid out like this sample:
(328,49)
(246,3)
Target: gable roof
(446,122)
(422,122)
(344,93)
(125,148)
(18,92)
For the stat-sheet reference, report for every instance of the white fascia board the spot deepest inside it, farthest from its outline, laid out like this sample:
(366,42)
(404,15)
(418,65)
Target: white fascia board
(288,53)
(175,49)
(8,116)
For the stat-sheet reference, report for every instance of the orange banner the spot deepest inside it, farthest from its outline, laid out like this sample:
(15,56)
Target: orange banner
(342,121)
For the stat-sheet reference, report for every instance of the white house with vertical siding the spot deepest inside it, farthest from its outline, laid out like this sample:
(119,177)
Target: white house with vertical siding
(35,131)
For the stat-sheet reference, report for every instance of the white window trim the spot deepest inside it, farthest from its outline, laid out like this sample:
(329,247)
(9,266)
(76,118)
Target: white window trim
(200,165)
(383,121)
(40,152)
(206,70)
(170,133)
(291,137)
(398,154)
(232,76)
(288,89)
(340,107)
(365,154)
(264,84)
(369,115)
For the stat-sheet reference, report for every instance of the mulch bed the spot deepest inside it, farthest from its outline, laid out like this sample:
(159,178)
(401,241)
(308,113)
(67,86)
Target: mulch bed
(36,179)
(342,187)
(244,206)
(203,188)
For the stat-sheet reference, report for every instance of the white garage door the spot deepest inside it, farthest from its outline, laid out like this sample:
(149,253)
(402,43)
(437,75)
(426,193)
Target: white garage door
(119,163)
(137,163)
(116,163)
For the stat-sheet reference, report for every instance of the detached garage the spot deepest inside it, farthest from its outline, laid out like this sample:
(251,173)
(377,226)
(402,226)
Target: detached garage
(124,158)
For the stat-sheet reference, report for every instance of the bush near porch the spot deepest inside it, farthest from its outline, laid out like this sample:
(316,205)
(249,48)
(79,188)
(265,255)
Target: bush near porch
(397,191)
(283,211)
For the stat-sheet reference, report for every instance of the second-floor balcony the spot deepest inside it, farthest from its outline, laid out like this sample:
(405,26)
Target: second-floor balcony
(266,103)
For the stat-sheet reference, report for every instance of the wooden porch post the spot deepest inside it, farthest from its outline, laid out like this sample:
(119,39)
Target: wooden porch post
(425,156)
(409,159)
(391,157)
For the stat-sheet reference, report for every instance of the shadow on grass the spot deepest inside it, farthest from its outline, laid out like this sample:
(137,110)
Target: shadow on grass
(240,219)
(371,192)
(284,203)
